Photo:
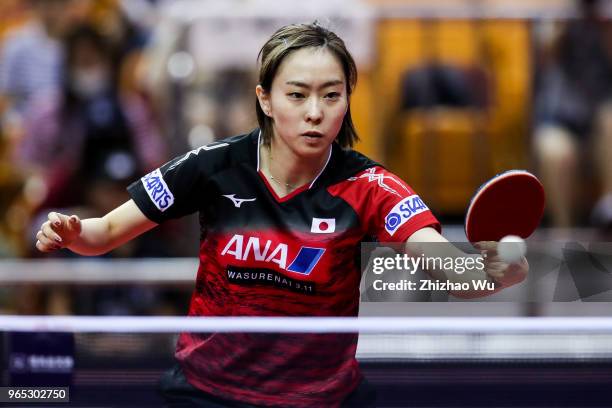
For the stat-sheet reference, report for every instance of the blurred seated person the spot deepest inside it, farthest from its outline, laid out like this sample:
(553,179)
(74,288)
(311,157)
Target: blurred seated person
(31,57)
(87,141)
(574,119)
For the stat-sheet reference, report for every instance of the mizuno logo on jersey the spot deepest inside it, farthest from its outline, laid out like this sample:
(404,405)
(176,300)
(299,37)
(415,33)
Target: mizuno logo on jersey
(251,250)
(403,211)
(238,201)
(157,190)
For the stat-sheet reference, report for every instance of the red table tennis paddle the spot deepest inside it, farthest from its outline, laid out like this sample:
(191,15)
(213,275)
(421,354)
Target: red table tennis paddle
(511,203)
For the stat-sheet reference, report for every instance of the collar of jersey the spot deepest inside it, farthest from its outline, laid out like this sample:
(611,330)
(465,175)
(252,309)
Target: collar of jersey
(294,192)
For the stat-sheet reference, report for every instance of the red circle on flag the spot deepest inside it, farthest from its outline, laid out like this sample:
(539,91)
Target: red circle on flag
(323,226)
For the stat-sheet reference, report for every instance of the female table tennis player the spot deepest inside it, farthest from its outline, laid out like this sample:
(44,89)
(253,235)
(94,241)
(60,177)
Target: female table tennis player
(283,210)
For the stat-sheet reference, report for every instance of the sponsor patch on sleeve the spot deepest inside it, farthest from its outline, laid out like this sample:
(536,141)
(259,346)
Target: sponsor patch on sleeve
(157,190)
(403,211)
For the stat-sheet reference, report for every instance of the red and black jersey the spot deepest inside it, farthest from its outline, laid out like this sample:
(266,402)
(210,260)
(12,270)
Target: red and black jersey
(261,255)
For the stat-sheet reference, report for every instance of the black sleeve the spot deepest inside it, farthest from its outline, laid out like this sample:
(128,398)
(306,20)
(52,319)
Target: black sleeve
(175,189)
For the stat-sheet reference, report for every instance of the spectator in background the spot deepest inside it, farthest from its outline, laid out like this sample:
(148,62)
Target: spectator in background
(87,141)
(90,138)
(30,59)
(574,117)
(30,62)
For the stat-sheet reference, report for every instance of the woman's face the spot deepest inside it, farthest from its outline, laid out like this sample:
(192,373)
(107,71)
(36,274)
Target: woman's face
(307,101)
(90,72)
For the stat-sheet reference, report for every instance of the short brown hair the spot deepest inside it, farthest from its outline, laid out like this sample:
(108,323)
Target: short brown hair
(294,37)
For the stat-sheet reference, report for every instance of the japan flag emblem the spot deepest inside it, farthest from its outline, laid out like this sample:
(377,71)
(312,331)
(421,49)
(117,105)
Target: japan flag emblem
(323,225)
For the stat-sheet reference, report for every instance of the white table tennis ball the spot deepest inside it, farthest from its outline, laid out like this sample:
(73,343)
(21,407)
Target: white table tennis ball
(511,248)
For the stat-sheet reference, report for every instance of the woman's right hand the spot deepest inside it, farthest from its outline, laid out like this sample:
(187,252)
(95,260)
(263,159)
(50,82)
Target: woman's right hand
(57,232)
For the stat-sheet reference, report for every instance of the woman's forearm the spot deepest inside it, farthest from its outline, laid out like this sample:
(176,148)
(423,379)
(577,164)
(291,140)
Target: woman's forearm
(94,239)
(93,236)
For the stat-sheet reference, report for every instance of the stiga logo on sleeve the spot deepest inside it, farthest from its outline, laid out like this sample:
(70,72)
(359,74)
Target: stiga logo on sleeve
(157,190)
(403,211)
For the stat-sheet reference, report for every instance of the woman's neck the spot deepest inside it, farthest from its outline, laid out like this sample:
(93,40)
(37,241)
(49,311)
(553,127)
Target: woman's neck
(285,170)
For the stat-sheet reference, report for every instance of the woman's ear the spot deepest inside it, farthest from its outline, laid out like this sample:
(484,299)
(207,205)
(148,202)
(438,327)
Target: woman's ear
(264,100)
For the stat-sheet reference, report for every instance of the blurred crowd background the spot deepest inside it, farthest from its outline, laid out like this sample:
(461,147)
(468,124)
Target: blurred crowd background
(95,93)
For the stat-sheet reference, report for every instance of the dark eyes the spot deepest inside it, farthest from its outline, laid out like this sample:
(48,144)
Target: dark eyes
(297,95)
